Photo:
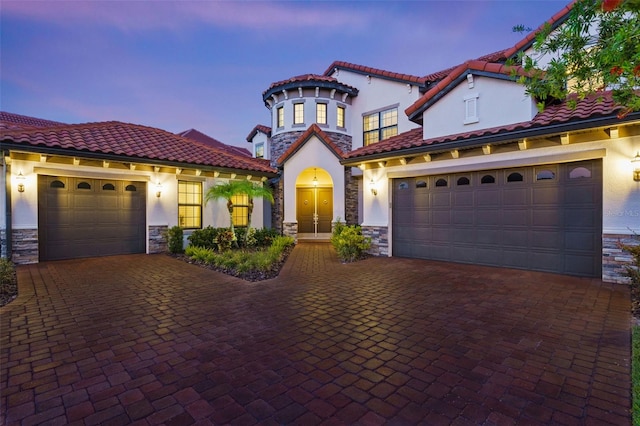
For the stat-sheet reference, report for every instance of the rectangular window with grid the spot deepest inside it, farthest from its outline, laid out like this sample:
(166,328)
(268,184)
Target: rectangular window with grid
(280,116)
(190,204)
(240,210)
(379,125)
(298,113)
(340,117)
(321,113)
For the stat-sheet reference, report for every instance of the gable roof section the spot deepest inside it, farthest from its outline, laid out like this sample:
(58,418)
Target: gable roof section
(364,70)
(444,86)
(259,128)
(198,136)
(127,142)
(313,130)
(12,121)
(594,110)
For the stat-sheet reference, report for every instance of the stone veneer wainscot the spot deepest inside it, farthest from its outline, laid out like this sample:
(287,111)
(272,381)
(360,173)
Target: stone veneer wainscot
(158,238)
(614,259)
(24,244)
(379,239)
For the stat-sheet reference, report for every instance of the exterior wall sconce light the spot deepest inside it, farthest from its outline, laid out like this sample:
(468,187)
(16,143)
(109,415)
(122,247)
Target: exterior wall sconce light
(158,189)
(374,188)
(636,167)
(20,178)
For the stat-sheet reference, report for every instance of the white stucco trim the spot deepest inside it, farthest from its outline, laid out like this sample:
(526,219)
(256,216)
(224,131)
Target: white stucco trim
(116,174)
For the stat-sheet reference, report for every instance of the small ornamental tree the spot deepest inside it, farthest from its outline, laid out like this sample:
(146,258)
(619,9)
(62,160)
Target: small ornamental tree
(597,48)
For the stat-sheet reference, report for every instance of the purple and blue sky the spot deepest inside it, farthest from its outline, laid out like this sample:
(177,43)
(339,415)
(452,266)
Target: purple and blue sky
(186,64)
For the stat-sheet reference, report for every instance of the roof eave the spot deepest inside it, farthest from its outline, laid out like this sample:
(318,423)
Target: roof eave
(501,137)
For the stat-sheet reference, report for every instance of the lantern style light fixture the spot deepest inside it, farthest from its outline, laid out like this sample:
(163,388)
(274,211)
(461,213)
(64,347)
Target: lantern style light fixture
(374,187)
(158,189)
(20,179)
(636,167)
(315,178)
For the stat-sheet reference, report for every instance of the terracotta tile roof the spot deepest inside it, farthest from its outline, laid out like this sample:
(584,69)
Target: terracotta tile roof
(16,121)
(452,78)
(198,136)
(314,129)
(130,141)
(589,108)
(259,128)
(361,69)
(554,21)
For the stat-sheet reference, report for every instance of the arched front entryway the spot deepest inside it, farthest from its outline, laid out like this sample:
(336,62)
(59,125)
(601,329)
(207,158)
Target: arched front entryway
(314,203)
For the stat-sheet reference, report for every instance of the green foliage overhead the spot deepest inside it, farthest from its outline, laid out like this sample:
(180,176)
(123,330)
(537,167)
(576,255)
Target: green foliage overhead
(597,48)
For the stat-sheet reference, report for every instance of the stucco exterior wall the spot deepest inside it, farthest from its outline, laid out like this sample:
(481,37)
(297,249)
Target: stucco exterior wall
(375,94)
(499,103)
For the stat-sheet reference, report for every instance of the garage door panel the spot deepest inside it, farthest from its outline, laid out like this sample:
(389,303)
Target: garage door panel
(81,217)
(440,217)
(515,217)
(516,196)
(463,217)
(546,218)
(489,198)
(551,239)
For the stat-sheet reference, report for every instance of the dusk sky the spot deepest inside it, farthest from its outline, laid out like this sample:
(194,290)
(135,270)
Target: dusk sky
(178,65)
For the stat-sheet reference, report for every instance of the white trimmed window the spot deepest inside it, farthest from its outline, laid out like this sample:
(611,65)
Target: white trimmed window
(189,204)
(260,150)
(298,113)
(321,113)
(340,116)
(280,116)
(380,125)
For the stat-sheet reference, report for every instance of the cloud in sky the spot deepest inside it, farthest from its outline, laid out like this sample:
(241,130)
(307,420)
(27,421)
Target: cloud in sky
(203,64)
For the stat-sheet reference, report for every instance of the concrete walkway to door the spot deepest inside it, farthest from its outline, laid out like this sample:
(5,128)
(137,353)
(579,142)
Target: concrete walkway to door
(148,339)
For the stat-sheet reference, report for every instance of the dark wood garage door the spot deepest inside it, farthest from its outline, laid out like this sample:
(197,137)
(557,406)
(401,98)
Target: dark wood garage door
(544,218)
(80,217)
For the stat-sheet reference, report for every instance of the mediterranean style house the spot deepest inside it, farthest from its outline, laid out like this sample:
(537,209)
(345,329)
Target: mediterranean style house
(457,165)
(79,190)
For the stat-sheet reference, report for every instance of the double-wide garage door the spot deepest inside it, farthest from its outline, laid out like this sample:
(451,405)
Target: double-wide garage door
(545,218)
(80,217)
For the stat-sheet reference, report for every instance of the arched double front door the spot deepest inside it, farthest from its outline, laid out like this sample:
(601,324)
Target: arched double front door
(314,202)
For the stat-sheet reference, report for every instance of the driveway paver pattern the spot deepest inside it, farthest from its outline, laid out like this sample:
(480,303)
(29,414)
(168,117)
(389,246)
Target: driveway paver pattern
(149,339)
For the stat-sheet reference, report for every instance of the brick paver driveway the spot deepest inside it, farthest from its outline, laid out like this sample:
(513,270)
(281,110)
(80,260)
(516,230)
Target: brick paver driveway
(150,339)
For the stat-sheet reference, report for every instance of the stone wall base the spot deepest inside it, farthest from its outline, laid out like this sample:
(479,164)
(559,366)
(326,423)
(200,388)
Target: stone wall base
(158,238)
(3,243)
(614,259)
(25,246)
(379,239)
(290,229)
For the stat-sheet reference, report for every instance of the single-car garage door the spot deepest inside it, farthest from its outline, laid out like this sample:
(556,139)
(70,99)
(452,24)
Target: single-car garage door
(544,218)
(81,217)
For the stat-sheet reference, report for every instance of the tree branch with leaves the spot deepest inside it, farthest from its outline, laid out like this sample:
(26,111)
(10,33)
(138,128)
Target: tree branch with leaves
(596,49)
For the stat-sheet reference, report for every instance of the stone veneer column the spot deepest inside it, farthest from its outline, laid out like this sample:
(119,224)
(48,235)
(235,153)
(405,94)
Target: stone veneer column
(3,243)
(277,211)
(614,259)
(350,198)
(290,229)
(158,238)
(25,246)
(379,239)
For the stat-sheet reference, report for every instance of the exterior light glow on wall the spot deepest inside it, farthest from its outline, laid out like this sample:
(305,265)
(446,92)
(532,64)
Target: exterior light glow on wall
(158,189)
(636,167)
(20,178)
(374,188)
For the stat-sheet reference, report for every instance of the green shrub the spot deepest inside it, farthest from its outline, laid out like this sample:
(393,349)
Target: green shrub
(265,236)
(251,238)
(174,236)
(349,242)
(205,237)
(225,240)
(6,271)
(200,254)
